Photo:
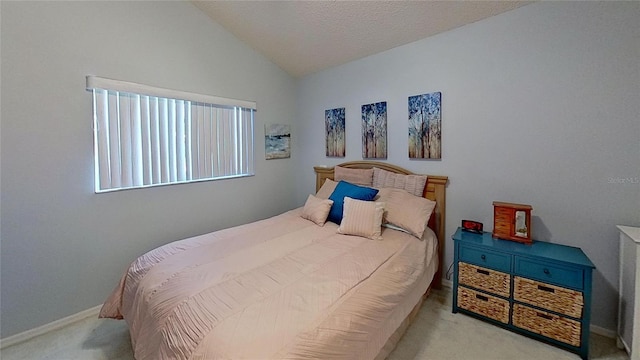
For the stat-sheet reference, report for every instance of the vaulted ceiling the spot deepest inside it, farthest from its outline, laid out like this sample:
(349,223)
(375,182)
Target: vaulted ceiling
(303,37)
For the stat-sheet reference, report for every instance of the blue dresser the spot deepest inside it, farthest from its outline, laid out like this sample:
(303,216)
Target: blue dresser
(541,290)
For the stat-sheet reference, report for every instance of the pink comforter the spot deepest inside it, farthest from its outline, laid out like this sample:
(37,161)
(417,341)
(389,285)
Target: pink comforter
(277,288)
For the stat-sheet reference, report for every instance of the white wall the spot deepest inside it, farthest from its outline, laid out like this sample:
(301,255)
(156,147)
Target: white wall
(540,106)
(64,247)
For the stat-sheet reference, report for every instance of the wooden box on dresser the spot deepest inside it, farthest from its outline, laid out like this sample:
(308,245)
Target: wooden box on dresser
(541,290)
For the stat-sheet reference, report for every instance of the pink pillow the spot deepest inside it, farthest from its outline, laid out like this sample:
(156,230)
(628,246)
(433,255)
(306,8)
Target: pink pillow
(362,218)
(362,177)
(407,211)
(326,189)
(316,209)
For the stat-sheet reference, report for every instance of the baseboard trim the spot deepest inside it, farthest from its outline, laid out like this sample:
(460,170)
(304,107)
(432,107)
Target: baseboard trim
(622,345)
(604,332)
(594,328)
(52,326)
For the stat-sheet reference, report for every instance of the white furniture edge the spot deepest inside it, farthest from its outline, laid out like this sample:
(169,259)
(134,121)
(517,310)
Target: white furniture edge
(634,234)
(46,328)
(631,231)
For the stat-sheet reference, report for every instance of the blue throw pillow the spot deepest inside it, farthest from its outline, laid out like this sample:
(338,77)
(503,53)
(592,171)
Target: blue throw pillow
(347,189)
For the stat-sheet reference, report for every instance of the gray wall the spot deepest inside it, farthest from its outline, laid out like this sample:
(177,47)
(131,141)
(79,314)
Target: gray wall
(540,106)
(64,247)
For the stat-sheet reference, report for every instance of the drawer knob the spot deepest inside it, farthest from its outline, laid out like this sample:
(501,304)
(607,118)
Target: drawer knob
(546,271)
(483,257)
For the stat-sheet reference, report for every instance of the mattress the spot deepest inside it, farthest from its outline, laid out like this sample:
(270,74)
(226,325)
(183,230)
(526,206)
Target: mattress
(282,287)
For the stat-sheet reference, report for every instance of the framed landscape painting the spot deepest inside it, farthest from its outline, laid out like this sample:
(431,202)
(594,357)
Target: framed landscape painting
(425,126)
(277,141)
(374,131)
(334,121)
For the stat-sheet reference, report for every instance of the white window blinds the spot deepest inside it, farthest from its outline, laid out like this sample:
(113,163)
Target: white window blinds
(147,136)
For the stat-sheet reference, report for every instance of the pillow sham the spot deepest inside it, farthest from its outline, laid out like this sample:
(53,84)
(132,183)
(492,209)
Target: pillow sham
(362,177)
(362,218)
(326,189)
(351,190)
(316,209)
(407,211)
(414,184)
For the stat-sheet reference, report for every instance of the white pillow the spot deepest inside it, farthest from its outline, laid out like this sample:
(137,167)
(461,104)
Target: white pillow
(362,218)
(414,184)
(316,209)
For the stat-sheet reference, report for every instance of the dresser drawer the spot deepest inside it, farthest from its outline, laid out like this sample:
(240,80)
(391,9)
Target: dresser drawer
(502,213)
(549,272)
(502,218)
(485,258)
(555,298)
(552,326)
(483,304)
(481,278)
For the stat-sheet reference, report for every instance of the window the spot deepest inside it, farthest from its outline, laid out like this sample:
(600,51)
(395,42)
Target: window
(147,136)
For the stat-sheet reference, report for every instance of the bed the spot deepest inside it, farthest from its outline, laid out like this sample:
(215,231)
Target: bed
(300,285)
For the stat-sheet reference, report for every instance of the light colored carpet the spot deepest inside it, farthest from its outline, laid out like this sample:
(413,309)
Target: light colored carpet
(435,334)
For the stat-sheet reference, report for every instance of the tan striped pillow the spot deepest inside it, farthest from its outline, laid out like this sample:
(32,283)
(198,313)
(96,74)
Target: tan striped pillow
(414,184)
(316,209)
(362,177)
(407,211)
(326,189)
(362,218)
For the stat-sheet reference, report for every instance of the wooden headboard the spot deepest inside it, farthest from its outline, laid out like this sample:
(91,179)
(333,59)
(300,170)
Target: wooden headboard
(433,190)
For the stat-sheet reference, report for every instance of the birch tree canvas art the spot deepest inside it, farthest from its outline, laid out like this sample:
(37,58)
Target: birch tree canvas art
(424,126)
(334,120)
(374,131)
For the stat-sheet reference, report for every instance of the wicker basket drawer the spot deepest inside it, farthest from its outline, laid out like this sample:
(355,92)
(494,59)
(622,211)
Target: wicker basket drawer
(478,277)
(554,298)
(546,324)
(483,304)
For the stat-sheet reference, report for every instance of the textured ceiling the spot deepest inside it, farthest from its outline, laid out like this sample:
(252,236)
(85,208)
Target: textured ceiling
(303,37)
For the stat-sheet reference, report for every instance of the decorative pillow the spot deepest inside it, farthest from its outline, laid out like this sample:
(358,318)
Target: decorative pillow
(326,189)
(347,189)
(362,218)
(414,184)
(362,177)
(407,211)
(316,209)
